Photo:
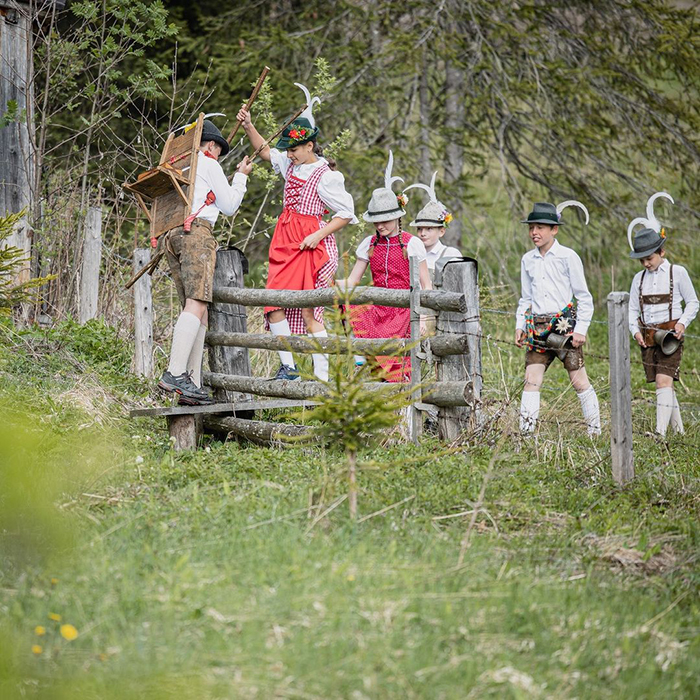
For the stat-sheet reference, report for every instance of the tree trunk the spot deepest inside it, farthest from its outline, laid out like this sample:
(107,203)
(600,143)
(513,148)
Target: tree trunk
(17,153)
(454,150)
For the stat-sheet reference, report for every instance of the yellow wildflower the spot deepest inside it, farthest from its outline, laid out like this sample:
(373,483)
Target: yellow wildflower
(37,649)
(69,632)
(54,581)
(351,577)
(40,630)
(55,617)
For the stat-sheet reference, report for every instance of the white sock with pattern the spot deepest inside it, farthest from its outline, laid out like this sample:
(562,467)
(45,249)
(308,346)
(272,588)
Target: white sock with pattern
(281,328)
(320,361)
(664,408)
(676,420)
(591,410)
(184,336)
(529,410)
(194,361)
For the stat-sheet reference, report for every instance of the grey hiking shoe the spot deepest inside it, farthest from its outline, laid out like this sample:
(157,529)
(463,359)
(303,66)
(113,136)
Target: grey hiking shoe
(184,387)
(287,372)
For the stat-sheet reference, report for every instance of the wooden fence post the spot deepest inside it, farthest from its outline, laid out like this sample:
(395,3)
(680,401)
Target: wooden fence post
(620,388)
(16,145)
(143,316)
(231,265)
(415,417)
(461,276)
(90,266)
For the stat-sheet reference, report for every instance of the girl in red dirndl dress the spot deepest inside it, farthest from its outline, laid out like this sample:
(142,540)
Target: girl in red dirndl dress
(303,252)
(387,254)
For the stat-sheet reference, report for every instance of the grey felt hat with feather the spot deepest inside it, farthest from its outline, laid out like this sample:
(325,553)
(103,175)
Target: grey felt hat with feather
(384,204)
(652,236)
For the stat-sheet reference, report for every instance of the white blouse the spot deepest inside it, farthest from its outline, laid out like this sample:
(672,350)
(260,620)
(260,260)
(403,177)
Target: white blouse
(416,249)
(331,186)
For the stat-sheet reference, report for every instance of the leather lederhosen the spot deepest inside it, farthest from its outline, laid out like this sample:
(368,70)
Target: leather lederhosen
(649,330)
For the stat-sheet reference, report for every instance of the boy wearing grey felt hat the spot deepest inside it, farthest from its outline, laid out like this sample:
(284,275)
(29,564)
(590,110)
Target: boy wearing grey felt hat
(554,312)
(662,305)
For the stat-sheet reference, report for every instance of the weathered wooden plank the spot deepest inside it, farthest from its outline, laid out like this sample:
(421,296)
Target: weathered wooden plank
(143,316)
(620,388)
(226,318)
(213,408)
(90,265)
(415,417)
(461,277)
(437,393)
(292,299)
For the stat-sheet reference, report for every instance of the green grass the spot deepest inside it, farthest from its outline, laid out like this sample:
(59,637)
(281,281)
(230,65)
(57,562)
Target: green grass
(209,575)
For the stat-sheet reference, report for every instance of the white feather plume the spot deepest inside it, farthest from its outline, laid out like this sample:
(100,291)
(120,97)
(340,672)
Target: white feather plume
(651,217)
(388,179)
(430,189)
(630,228)
(650,220)
(310,102)
(573,203)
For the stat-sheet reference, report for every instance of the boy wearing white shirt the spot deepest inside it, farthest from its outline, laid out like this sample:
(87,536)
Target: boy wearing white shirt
(656,298)
(191,253)
(554,299)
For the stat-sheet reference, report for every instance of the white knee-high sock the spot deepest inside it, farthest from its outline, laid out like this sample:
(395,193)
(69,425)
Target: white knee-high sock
(676,420)
(529,410)
(184,336)
(194,361)
(591,410)
(664,408)
(320,361)
(281,328)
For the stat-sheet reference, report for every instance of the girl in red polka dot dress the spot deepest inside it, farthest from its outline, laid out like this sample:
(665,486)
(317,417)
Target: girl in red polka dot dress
(387,254)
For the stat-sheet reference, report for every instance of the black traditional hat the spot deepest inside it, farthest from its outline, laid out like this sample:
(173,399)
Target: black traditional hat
(211,133)
(652,236)
(543,213)
(546,213)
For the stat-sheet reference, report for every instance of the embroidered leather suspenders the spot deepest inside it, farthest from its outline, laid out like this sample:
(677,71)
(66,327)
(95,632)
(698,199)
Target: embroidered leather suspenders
(648,330)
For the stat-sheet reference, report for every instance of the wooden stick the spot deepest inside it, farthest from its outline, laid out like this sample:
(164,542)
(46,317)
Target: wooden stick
(146,268)
(257,151)
(251,99)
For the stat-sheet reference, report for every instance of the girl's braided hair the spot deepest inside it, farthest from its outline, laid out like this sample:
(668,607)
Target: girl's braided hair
(402,245)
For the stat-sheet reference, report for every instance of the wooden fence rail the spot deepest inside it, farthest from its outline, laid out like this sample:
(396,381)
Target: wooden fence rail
(298,299)
(437,393)
(440,346)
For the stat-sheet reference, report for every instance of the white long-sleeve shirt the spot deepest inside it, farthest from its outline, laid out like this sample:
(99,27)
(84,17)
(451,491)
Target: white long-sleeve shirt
(658,282)
(211,176)
(331,186)
(549,282)
(440,250)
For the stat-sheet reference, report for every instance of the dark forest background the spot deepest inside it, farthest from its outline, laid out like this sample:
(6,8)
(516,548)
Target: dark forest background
(509,101)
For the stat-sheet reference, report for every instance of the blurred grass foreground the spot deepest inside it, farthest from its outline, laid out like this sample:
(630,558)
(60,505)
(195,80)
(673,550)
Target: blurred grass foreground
(131,571)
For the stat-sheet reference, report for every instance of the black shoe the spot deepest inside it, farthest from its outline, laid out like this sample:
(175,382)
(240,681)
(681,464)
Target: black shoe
(184,387)
(287,373)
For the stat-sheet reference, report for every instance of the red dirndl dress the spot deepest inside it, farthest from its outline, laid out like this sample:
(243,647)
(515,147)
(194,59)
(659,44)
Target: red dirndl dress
(390,270)
(291,268)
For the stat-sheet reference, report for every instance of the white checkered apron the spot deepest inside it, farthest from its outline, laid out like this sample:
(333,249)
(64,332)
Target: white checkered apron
(304,199)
